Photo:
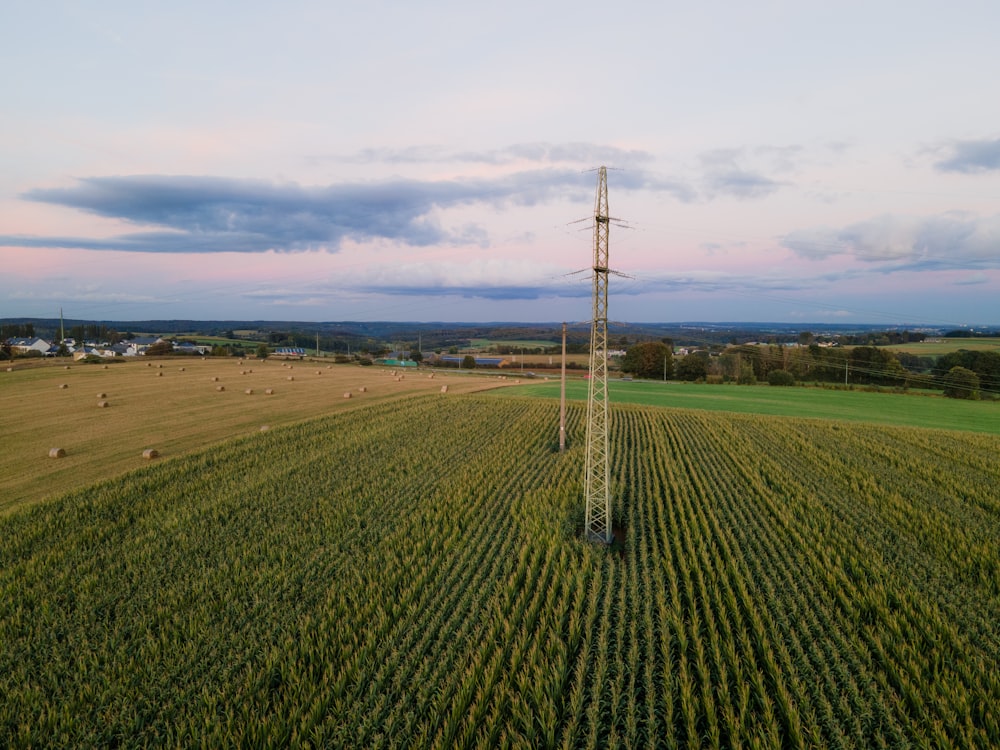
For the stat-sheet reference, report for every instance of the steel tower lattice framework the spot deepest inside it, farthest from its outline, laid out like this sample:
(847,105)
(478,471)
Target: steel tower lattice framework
(596,485)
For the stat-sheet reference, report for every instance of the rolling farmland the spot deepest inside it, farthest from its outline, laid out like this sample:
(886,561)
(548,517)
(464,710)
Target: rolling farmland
(408,574)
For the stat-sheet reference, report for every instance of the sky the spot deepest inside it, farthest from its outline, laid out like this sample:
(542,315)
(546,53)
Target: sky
(828,162)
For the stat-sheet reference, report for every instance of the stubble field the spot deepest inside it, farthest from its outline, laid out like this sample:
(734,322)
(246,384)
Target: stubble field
(171,405)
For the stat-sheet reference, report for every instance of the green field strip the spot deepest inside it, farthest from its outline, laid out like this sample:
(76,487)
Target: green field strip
(854,405)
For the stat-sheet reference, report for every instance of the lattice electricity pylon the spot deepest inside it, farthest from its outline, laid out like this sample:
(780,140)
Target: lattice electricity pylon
(598,472)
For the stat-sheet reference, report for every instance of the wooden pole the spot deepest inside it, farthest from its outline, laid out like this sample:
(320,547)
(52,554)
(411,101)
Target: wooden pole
(562,396)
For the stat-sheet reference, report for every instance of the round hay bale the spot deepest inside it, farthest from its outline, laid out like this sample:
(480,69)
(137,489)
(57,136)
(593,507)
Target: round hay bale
(159,367)
(63,385)
(67,367)
(265,427)
(102,404)
(291,377)
(363,389)
(269,391)
(150,453)
(215,378)
(57,453)
(182,369)
(329,367)
(319,372)
(444,389)
(149,364)
(241,361)
(249,391)
(105,367)
(10,369)
(347,395)
(159,374)
(243,372)
(220,387)
(431,376)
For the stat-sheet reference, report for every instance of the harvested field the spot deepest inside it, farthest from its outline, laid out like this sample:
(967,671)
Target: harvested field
(183,409)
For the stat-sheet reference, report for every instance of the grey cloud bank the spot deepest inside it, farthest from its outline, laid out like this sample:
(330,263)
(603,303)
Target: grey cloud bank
(204,214)
(971,157)
(949,241)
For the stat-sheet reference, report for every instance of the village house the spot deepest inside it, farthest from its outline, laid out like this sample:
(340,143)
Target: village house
(28,345)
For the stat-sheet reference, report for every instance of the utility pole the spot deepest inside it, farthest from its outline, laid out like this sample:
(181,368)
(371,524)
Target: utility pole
(598,471)
(562,396)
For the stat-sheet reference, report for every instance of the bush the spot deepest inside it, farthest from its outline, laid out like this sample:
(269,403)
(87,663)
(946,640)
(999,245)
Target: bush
(961,382)
(780,377)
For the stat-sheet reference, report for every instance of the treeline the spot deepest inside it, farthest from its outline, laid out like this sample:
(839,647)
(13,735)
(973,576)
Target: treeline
(963,374)
(985,364)
(881,338)
(96,332)
(17,331)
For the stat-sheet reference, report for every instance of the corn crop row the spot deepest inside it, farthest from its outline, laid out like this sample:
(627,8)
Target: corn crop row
(411,574)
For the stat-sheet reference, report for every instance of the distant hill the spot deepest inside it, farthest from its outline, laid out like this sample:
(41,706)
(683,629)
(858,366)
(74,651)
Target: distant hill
(436,333)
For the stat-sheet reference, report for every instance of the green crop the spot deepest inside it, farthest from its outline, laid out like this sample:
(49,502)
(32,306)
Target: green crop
(410,574)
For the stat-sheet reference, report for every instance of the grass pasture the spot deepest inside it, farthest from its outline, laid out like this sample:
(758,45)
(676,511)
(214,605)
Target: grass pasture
(407,575)
(816,403)
(937,346)
(513,344)
(171,405)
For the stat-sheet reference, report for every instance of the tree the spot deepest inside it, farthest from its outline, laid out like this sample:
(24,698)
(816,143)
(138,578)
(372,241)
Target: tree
(650,359)
(469,362)
(985,364)
(780,377)
(160,348)
(693,366)
(262,351)
(416,356)
(961,383)
(870,364)
(746,375)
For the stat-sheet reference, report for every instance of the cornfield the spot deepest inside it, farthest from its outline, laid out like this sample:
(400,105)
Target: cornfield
(410,575)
